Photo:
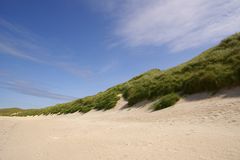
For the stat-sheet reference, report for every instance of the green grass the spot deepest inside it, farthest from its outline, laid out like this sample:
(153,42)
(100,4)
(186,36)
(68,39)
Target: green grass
(216,68)
(9,111)
(212,70)
(102,101)
(165,101)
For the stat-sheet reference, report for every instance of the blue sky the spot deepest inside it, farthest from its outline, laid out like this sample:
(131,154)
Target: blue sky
(59,50)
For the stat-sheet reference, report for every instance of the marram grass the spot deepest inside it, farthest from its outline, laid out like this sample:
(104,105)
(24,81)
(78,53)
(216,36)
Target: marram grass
(216,68)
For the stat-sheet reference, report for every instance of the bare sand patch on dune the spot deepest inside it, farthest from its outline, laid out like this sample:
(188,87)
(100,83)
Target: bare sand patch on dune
(199,127)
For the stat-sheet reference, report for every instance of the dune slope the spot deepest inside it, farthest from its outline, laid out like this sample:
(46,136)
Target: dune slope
(198,127)
(214,69)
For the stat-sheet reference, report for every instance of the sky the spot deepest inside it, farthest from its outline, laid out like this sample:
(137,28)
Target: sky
(60,50)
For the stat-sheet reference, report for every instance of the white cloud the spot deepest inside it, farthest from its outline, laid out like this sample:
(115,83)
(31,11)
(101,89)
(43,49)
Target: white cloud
(27,88)
(179,24)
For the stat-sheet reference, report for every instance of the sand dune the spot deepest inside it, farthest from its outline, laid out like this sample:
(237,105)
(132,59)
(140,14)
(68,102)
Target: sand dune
(199,127)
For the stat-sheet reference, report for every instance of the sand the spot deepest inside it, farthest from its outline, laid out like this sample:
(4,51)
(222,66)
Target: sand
(198,127)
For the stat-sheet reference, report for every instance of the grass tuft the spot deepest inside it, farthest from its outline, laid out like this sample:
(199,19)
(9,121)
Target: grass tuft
(165,101)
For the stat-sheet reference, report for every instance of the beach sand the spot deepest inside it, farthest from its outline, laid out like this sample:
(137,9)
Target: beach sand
(198,127)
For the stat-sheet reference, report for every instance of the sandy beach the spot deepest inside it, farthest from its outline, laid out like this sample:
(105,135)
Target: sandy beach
(198,127)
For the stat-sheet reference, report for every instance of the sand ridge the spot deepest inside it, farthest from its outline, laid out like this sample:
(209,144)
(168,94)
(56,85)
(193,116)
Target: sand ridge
(198,127)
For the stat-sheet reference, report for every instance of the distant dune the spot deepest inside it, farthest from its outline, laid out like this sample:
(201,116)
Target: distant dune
(212,70)
(198,127)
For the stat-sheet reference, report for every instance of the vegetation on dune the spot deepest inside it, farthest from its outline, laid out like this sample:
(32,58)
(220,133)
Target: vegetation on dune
(9,111)
(165,101)
(216,68)
(102,101)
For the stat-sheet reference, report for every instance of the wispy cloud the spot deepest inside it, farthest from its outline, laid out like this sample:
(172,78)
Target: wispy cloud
(178,24)
(21,43)
(108,67)
(27,88)
(12,50)
(74,69)
(3,72)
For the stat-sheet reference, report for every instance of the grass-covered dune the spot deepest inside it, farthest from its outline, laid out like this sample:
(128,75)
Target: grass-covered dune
(216,68)
(9,111)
